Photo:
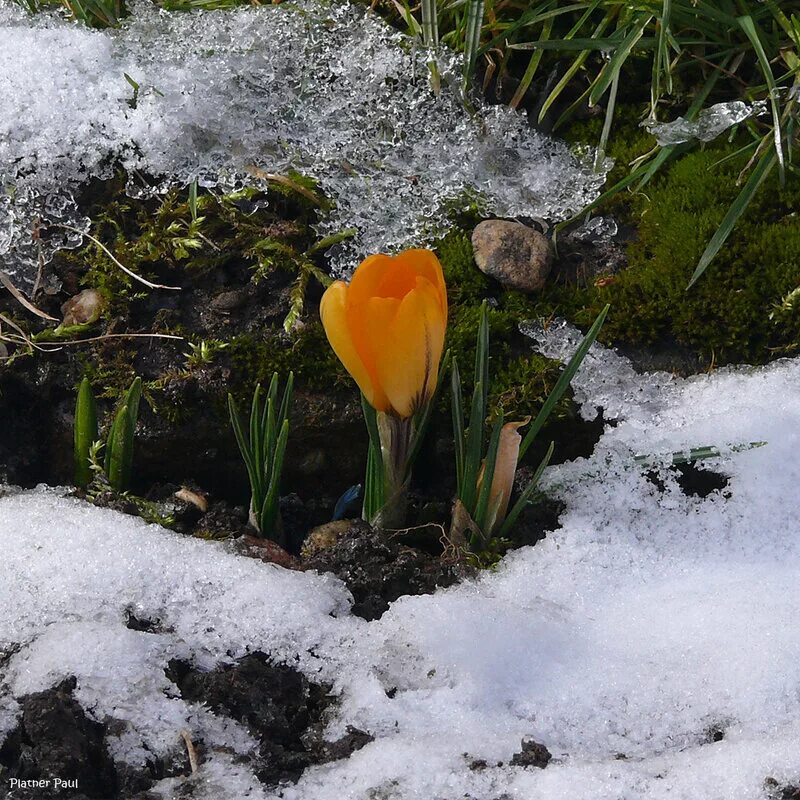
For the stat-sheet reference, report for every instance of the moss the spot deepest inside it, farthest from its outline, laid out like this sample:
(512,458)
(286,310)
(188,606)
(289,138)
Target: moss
(111,376)
(726,316)
(163,241)
(520,380)
(306,353)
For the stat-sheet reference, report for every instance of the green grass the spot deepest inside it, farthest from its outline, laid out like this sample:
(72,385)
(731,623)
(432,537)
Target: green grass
(667,57)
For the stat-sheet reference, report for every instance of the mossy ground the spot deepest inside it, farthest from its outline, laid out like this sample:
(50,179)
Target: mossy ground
(740,309)
(251,274)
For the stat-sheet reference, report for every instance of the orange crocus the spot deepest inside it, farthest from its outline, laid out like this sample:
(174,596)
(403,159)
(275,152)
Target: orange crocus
(387,327)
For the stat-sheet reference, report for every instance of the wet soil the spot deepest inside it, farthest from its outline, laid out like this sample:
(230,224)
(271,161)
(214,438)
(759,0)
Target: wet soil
(281,708)
(54,737)
(278,705)
(378,567)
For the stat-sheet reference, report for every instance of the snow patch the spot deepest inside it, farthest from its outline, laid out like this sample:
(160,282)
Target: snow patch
(329,90)
(646,623)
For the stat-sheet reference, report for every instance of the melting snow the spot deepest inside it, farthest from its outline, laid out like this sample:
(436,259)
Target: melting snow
(328,90)
(648,619)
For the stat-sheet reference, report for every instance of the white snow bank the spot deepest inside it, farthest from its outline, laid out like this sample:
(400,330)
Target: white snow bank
(326,89)
(649,619)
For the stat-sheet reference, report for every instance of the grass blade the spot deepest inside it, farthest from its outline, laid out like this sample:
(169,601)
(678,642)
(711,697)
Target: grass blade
(241,440)
(611,70)
(472,38)
(757,177)
(748,26)
(563,382)
(661,58)
(533,65)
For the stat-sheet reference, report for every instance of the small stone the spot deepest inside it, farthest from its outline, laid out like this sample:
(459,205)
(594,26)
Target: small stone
(230,300)
(324,537)
(268,551)
(533,754)
(82,309)
(512,253)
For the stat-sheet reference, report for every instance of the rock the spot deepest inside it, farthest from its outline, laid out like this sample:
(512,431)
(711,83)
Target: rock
(231,300)
(323,537)
(513,254)
(82,309)
(268,551)
(533,754)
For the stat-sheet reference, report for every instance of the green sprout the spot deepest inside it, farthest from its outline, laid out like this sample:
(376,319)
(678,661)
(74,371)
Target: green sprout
(117,465)
(263,448)
(480,506)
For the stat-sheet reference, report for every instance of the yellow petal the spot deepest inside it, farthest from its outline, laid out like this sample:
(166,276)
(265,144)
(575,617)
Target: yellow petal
(333,312)
(425,264)
(410,346)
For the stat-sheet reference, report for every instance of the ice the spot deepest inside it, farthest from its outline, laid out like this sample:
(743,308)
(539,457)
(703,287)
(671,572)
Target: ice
(650,619)
(328,90)
(710,123)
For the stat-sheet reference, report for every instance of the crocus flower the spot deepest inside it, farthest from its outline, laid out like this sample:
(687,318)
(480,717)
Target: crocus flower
(387,327)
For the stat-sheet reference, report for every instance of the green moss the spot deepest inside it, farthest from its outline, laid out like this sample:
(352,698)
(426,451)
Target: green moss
(306,353)
(162,241)
(520,380)
(727,316)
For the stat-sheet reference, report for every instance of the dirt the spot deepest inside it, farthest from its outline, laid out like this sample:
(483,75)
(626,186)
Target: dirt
(531,754)
(283,710)
(278,705)
(55,738)
(378,568)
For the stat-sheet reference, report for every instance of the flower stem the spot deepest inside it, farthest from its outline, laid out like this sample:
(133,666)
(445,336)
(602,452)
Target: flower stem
(396,435)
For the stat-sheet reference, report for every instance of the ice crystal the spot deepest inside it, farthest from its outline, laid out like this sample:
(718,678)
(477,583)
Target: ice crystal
(710,123)
(328,90)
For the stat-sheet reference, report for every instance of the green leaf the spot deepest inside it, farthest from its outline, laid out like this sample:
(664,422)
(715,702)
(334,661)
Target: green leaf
(489,464)
(472,37)
(457,410)
(422,419)
(193,199)
(116,450)
(757,177)
(84,432)
(132,399)
(563,382)
(374,480)
(270,510)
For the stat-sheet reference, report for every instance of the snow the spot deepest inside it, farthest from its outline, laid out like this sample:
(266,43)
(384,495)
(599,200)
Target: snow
(647,620)
(329,90)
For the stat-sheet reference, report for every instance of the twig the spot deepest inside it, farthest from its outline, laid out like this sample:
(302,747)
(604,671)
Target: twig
(21,299)
(115,259)
(187,738)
